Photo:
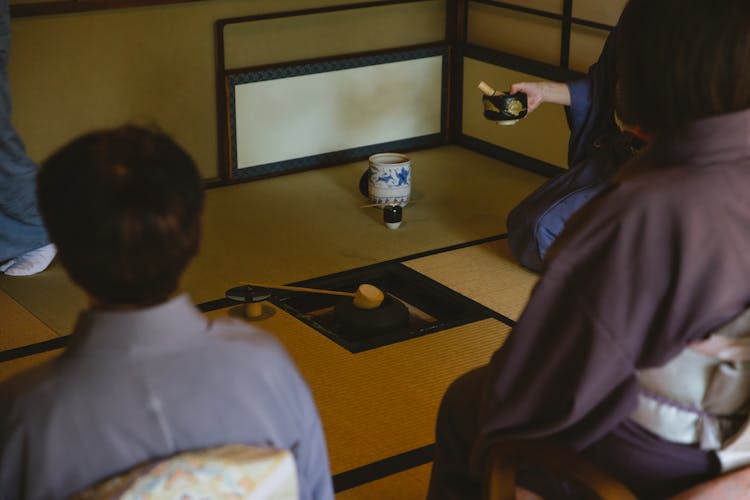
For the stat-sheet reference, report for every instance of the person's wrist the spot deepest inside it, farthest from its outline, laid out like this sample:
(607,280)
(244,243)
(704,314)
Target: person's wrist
(545,92)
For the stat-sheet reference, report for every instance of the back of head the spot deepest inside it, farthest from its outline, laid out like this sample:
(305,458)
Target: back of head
(683,60)
(123,207)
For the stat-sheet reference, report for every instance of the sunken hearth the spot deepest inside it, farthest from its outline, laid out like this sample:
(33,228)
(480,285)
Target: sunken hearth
(429,307)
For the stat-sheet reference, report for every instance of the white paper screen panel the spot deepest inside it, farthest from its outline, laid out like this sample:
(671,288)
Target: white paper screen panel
(308,115)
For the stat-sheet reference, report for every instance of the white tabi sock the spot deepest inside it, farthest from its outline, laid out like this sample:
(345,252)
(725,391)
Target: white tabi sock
(5,265)
(32,262)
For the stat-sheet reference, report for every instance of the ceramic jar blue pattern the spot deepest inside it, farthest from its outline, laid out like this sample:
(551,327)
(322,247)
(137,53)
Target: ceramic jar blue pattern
(390,179)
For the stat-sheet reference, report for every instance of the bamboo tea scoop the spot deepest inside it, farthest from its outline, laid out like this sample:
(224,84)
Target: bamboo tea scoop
(366,296)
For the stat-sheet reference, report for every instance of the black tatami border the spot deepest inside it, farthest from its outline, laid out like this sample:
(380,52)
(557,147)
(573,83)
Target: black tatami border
(383,468)
(31,349)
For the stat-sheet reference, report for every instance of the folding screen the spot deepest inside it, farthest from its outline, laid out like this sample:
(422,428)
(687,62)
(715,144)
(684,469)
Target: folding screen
(332,108)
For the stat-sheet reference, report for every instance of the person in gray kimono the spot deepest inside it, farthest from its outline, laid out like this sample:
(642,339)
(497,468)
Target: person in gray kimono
(145,375)
(632,348)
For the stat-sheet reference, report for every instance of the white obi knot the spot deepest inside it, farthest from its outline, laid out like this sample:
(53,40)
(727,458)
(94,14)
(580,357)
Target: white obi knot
(702,396)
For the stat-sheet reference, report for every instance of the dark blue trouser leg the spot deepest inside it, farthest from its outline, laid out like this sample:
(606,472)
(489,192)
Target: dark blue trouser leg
(21,228)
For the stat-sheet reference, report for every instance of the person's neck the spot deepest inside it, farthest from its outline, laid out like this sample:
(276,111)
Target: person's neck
(96,304)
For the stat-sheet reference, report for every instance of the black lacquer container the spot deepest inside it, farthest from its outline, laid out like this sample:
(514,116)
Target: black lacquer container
(392,215)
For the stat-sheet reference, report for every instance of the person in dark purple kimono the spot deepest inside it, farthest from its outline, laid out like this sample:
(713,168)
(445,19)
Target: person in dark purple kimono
(644,274)
(598,146)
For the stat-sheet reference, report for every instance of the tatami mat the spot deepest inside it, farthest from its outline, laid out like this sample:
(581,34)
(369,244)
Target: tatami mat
(309,224)
(49,296)
(486,273)
(381,402)
(10,368)
(18,327)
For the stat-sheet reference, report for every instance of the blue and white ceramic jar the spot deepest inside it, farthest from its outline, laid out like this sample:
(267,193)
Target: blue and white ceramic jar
(390,179)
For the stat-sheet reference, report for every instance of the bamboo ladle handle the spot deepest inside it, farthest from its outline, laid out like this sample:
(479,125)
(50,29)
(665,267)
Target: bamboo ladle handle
(299,289)
(366,296)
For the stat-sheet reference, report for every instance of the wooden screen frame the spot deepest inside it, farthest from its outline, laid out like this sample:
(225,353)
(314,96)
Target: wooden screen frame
(51,7)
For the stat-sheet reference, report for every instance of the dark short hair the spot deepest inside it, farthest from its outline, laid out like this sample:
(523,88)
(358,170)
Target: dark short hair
(123,207)
(683,60)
